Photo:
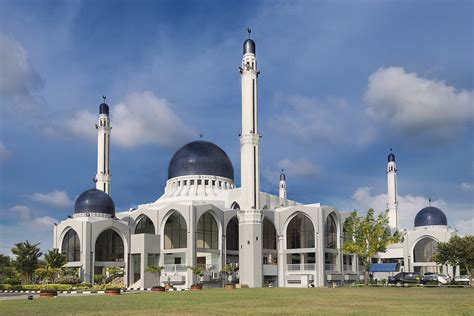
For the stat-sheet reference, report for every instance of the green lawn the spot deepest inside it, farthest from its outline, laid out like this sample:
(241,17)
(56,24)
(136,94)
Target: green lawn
(337,301)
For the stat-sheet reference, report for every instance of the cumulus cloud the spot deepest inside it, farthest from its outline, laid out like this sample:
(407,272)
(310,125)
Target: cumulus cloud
(19,80)
(466,186)
(54,198)
(408,205)
(418,107)
(465,227)
(142,118)
(23,211)
(4,153)
(330,121)
(292,168)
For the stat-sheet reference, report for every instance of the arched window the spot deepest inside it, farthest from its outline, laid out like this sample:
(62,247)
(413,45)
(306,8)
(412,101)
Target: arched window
(232,234)
(300,233)
(109,246)
(145,226)
(424,250)
(235,206)
(176,232)
(330,232)
(269,234)
(71,246)
(207,232)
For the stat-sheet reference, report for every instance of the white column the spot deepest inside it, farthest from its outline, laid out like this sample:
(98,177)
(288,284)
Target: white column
(103,176)
(392,203)
(250,215)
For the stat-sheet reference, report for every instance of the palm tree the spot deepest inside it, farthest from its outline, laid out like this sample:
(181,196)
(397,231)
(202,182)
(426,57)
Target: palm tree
(156,270)
(27,258)
(55,259)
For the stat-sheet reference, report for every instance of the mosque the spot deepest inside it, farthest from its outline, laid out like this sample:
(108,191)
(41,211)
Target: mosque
(203,219)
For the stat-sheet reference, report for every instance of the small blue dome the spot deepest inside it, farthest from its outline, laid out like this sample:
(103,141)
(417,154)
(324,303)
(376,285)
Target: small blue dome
(430,216)
(94,201)
(200,158)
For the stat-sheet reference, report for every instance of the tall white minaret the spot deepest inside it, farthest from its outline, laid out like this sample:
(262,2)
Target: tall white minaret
(103,127)
(282,186)
(392,202)
(250,215)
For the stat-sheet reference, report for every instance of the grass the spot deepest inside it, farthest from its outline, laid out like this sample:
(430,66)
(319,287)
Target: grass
(337,301)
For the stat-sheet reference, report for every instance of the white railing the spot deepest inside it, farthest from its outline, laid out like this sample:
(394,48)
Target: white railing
(209,267)
(173,268)
(331,267)
(301,267)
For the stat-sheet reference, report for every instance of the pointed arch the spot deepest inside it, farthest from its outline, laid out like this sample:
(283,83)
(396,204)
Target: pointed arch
(207,233)
(269,234)
(300,232)
(71,246)
(145,226)
(175,232)
(330,232)
(424,249)
(232,234)
(109,246)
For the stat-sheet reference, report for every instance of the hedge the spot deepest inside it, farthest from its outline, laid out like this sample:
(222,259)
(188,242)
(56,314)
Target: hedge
(58,287)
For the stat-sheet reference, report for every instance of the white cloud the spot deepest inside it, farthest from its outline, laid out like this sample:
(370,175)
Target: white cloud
(18,80)
(465,227)
(54,198)
(466,186)
(292,168)
(331,121)
(408,205)
(418,107)
(4,153)
(23,211)
(142,118)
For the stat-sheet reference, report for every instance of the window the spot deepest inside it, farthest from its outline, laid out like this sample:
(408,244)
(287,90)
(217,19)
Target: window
(269,235)
(175,232)
(145,226)
(330,232)
(109,246)
(207,232)
(424,250)
(71,247)
(232,234)
(300,233)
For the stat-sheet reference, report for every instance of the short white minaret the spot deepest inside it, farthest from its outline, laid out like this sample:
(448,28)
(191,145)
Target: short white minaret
(282,186)
(392,202)
(103,127)
(250,215)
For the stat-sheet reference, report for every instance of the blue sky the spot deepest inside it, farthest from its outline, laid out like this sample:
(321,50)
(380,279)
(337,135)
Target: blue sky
(341,83)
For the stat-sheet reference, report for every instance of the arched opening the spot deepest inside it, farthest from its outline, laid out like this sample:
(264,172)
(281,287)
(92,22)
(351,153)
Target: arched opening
(269,234)
(109,246)
(424,250)
(71,246)
(300,233)
(175,232)
(232,234)
(207,235)
(235,206)
(330,232)
(145,226)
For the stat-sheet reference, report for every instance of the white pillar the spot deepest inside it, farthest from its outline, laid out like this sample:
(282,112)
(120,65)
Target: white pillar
(250,215)
(103,176)
(392,203)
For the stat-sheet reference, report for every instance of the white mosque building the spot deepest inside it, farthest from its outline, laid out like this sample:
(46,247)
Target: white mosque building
(203,219)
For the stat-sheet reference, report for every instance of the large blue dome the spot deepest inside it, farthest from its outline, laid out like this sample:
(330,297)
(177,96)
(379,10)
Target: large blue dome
(200,158)
(430,216)
(94,201)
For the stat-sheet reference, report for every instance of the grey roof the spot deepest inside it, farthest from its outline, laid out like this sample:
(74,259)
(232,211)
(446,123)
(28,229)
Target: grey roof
(104,109)
(200,158)
(249,47)
(430,216)
(94,201)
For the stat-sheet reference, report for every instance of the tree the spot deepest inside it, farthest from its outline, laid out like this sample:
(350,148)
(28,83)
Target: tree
(26,258)
(197,271)
(155,270)
(228,270)
(366,236)
(47,273)
(55,259)
(458,251)
(8,273)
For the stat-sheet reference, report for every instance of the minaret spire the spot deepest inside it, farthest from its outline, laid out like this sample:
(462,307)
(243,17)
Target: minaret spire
(392,202)
(282,185)
(103,176)
(250,215)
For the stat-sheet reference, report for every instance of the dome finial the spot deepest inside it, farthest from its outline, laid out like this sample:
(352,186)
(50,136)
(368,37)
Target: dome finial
(249,30)
(429,201)
(201,135)
(104,97)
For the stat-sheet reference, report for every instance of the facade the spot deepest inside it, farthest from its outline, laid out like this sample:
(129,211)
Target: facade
(203,219)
